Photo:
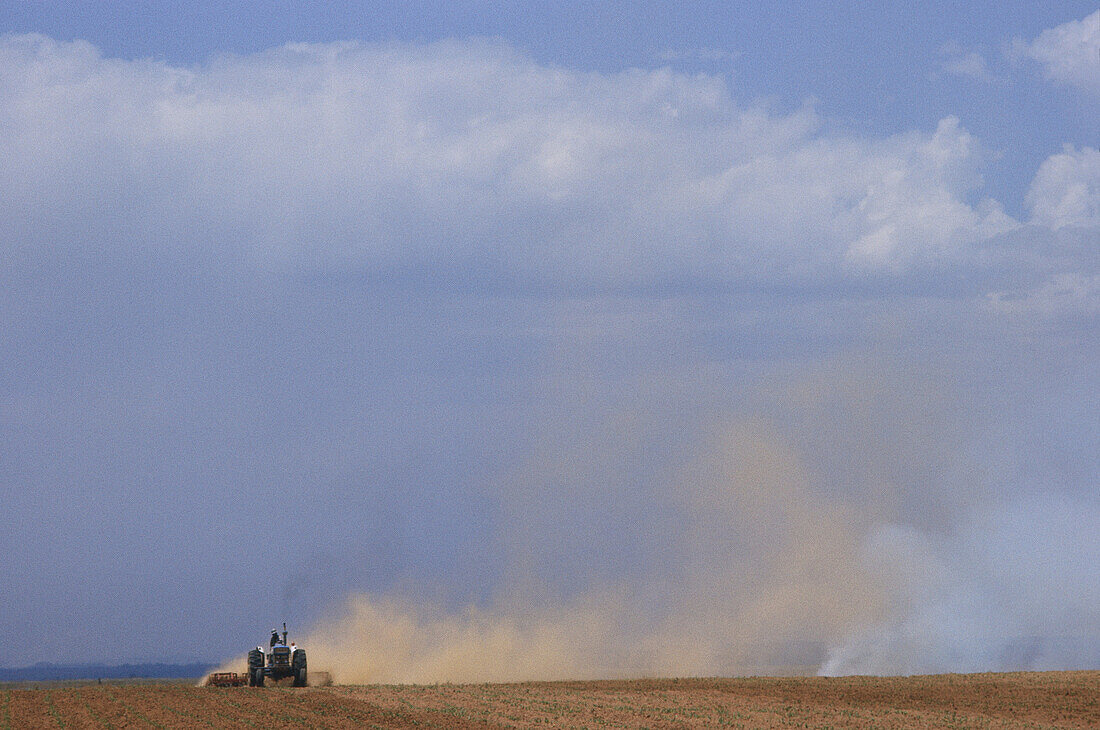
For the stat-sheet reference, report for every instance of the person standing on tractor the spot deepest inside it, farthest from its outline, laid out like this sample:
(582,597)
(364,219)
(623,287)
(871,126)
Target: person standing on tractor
(274,637)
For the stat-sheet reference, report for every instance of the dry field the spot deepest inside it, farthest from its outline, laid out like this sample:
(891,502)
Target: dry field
(1018,700)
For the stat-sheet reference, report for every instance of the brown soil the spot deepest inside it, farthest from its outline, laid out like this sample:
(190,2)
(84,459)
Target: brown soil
(1018,700)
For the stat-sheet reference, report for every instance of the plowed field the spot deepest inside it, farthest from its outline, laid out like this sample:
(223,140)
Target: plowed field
(1018,700)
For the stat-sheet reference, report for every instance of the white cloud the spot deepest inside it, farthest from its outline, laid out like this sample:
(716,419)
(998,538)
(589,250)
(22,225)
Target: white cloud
(957,61)
(464,156)
(971,65)
(465,162)
(1066,189)
(1070,53)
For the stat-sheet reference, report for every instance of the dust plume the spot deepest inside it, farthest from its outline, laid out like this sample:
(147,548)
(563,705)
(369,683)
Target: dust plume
(843,533)
(765,574)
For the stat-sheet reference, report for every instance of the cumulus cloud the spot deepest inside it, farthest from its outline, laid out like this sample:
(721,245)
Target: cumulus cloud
(1070,53)
(1066,189)
(957,61)
(469,158)
(1051,265)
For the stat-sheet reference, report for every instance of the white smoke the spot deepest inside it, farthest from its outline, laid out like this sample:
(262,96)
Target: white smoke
(1015,587)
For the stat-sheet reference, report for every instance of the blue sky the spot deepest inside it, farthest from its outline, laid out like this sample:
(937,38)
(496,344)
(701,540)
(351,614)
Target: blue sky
(776,327)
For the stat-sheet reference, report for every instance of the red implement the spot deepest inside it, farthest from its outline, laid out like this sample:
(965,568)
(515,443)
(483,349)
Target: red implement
(226,679)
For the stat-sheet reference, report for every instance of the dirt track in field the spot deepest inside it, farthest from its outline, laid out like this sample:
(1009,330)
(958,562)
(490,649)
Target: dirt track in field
(1017,700)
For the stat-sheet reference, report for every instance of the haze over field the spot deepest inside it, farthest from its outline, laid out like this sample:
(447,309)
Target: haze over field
(476,355)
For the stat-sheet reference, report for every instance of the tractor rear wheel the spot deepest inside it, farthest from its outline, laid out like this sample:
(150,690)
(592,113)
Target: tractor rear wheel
(255,661)
(258,677)
(299,664)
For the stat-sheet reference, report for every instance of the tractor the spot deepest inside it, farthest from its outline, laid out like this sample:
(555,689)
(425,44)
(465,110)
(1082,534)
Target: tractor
(279,661)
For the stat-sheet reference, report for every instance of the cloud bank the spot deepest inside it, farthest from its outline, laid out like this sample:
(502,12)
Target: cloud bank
(469,163)
(469,157)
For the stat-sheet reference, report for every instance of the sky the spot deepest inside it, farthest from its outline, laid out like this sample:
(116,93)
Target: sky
(539,341)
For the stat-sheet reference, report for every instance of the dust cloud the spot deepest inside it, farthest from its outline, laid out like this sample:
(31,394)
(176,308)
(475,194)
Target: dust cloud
(766,573)
(842,534)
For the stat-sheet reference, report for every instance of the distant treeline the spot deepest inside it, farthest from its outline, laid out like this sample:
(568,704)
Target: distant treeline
(46,672)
